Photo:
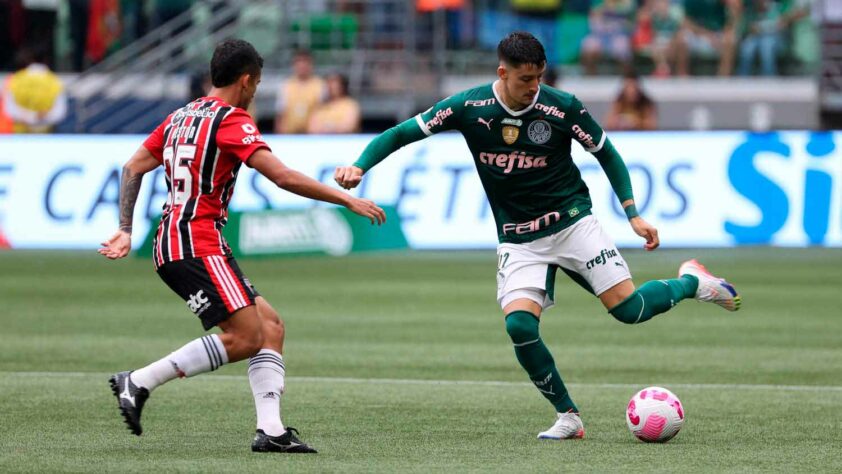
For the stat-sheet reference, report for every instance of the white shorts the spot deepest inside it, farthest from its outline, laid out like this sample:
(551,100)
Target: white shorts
(583,251)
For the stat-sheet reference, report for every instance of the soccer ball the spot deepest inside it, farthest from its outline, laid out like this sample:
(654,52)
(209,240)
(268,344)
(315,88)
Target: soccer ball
(655,415)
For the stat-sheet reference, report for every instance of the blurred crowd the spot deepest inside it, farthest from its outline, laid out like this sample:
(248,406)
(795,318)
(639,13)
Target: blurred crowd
(661,37)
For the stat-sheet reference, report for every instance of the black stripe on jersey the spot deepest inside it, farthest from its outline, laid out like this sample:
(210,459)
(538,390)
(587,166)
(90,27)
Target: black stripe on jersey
(211,152)
(225,196)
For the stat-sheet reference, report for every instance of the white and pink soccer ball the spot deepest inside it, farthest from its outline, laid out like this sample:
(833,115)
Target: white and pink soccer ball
(655,415)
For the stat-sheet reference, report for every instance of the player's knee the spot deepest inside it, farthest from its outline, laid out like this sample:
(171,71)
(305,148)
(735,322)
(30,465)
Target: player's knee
(273,330)
(522,326)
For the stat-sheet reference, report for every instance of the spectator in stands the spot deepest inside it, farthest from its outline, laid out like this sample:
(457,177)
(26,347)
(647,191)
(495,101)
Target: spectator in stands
(550,77)
(632,109)
(657,35)
(710,29)
(298,96)
(764,25)
(340,113)
(611,27)
(34,97)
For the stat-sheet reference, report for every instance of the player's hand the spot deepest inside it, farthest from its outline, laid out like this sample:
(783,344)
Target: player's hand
(117,246)
(348,176)
(647,231)
(367,208)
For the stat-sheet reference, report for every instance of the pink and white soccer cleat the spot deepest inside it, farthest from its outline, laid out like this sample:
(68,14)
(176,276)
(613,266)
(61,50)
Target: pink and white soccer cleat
(567,426)
(711,289)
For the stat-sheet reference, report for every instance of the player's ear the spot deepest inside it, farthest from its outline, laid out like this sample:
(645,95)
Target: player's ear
(501,71)
(244,80)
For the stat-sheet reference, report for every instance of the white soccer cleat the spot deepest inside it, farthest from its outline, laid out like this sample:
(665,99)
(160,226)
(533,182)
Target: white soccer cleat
(567,426)
(711,289)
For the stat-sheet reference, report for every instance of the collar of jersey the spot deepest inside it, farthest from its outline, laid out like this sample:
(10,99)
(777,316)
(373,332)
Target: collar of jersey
(507,109)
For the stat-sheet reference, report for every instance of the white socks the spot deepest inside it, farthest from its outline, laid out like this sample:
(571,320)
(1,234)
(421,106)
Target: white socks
(200,355)
(266,376)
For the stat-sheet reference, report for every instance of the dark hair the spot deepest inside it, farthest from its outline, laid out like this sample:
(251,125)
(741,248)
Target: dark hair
(231,59)
(642,101)
(343,81)
(302,54)
(519,48)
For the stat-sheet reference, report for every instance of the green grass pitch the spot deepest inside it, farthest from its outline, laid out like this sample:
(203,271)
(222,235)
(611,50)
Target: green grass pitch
(400,362)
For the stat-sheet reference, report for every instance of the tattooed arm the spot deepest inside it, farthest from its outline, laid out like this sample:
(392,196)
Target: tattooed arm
(140,163)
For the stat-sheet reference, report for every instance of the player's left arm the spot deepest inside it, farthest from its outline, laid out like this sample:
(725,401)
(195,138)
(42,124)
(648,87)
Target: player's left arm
(594,140)
(142,162)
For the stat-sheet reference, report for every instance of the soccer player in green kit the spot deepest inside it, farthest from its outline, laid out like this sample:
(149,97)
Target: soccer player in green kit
(519,133)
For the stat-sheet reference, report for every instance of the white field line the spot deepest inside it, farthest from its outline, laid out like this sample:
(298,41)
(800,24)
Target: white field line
(482,383)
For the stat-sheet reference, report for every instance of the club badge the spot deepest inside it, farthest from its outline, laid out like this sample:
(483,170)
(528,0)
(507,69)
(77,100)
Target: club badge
(539,132)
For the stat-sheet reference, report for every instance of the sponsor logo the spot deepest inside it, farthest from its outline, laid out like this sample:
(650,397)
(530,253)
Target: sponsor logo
(480,103)
(438,119)
(198,302)
(487,124)
(199,113)
(539,132)
(585,138)
(510,134)
(269,395)
(314,230)
(602,258)
(511,121)
(249,139)
(507,163)
(550,110)
(532,226)
(573,212)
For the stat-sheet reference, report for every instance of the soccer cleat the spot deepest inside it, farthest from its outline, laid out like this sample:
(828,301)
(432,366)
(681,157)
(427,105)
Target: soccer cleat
(567,426)
(130,398)
(285,443)
(711,289)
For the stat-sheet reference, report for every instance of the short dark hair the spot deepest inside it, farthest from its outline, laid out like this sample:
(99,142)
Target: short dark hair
(520,47)
(231,59)
(302,54)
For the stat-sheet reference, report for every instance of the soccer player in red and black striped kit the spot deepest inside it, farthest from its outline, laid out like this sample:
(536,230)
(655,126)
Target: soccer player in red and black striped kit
(201,147)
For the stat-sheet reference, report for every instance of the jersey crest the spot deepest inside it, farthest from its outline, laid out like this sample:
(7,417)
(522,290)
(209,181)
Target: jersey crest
(510,134)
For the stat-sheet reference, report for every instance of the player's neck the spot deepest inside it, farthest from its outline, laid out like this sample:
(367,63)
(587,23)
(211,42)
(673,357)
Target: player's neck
(227,94)
(504,96)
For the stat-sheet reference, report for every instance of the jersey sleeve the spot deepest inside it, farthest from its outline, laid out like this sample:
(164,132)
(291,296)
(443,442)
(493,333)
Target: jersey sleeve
(239,136)
(442,116)
(155,141)
(583,127)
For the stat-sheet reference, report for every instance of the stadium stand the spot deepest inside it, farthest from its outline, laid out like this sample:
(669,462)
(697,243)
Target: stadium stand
(402,55)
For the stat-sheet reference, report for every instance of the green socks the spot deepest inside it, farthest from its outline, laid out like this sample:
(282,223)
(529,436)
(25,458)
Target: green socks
(654,297)
(536,359)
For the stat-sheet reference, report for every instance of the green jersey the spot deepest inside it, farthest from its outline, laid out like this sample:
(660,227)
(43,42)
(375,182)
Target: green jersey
(522,157)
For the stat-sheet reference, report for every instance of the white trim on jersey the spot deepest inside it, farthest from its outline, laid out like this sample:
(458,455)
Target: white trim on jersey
(423,126)
(598,145)
(514,113)
(226,279)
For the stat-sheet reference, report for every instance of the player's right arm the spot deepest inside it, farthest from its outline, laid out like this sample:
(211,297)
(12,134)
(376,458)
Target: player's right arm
(267,164)
(438,118)
(142,162)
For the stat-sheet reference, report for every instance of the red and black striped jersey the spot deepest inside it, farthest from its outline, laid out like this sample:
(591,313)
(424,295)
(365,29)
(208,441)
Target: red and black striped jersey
(201,146)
